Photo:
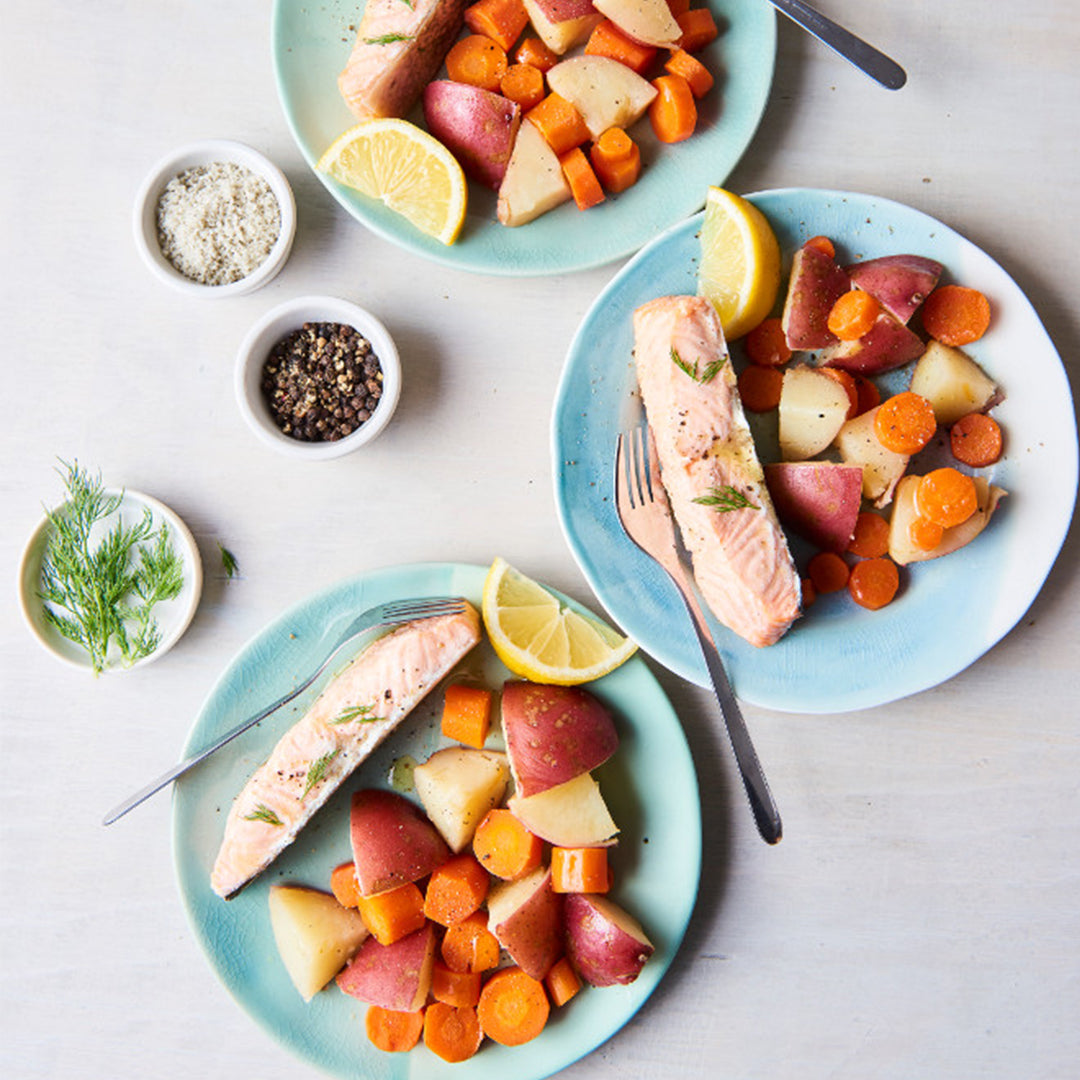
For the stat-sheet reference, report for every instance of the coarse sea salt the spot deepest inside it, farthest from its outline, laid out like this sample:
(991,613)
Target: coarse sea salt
(217,223)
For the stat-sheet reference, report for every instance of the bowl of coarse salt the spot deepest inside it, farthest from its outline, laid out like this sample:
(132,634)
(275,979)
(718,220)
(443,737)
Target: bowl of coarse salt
(215,219)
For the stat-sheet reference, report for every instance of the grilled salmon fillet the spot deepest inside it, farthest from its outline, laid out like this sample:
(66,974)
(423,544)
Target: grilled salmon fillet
(356,711)
(710,469)
(399,48)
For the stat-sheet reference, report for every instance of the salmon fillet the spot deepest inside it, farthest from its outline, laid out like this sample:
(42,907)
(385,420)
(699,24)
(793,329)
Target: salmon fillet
(356,711)
(400,46)
(710,469)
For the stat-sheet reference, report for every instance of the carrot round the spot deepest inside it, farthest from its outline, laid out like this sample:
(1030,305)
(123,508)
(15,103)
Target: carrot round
(608,40)
(584,186)
(500,20)
(616,159)
(532,51)
(956,315)
(976,440)
(905,423)
(946,496)
(924,533)
(344,886)
(523,84)
(452,1031)
(760,387)
(828,572)
(853,315)
(455,890)
(871,537)
(767,344)
(393,1031)
(823,244)
(698,28)
(477,61)
(513,1007)
(560,123)
(696,74)
(561,982)
(392,915)
(466,715)
(580,870)
(469,945)
(868,393)
(673,113)
(460,988)
(808,594)
(851,388)
(505,847)
(874,582)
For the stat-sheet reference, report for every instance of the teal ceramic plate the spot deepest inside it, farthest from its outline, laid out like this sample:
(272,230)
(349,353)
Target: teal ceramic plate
(840,656)
(312,41)
(650,786)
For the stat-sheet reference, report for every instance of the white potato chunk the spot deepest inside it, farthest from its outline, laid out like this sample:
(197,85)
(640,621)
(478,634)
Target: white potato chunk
(457,787)
(563,34)
(952,382)
(605,92)
(858,445)
(649,22)
(573,814)
(813,407)
(534,182)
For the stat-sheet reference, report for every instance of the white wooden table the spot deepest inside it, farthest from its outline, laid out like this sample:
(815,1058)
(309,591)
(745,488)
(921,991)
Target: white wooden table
(921,917)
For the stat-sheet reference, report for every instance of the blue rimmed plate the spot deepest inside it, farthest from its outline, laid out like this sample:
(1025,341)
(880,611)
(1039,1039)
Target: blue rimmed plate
(650,786)
(840,657)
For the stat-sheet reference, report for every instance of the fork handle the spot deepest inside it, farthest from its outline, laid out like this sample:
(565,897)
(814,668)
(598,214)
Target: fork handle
(766,815)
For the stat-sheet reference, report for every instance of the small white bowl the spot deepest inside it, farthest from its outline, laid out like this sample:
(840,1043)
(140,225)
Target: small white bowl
(207,153)
(172,616)
(275,325)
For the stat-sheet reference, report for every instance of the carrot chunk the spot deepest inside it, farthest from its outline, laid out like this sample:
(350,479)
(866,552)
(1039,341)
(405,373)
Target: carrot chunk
(760,387)
(608,40)
(851,388)
(344,886)
(452,1032)
(946,496)
(523,84)
(823,244)
(976,440)
(853,315)
(393,1031)
(696,74)
(513,1007)
(956,315)
(455,890)
(459,988)
(500,20)
(874,582)
(584,185)
(871,537)
(560,123)
(505,847)
(466,715)
(477,61)
(673,113)
(395,914)
(869,394)
(469,946)
(827,572)
(767,344)
(924,533)
(582,869)
(905,423)
(616,160)
(698,29)
(562,982)
(534,52)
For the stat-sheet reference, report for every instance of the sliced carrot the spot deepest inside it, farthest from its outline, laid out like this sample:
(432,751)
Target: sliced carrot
(452,1031)
(562,982)
(869,394)
(946,496)
(455,890)
(395,914)
(924,533)
(698,28)
(760,387)
(608,40)
(513,1007)
(956,315)
(677,7)
(808,592)
(823,244)
(851,388)
(393,1031)
(478,61)
(905,423)
(616,159)
(466,715)
(696,74)
(584,185)
(523,84)
(853,315)
(871,537)
(673,114)
(767,344)
(560,123)
(470,946)
(580,870)
(976,440)
(828,572)
(461,988)
(874,582)
(532,51)
(505,847)
(344,886)
(500,20)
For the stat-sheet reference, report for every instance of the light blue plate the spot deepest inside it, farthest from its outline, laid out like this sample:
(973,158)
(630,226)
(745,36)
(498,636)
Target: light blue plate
(650,786)
(312,41)
(840,656)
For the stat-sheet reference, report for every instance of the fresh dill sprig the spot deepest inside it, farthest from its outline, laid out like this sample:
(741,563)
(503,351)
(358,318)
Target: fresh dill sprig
(228,561)
(317,771)
(263,813)
(710,371)
(363,713)
(102,593)
(388,39)
(724,499)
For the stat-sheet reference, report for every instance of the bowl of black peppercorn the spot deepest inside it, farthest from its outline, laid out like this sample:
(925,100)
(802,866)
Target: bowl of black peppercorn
(317,377)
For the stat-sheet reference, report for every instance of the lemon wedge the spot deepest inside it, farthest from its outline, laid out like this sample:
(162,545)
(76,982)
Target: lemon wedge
(538,638)
(740,262)
(408,169)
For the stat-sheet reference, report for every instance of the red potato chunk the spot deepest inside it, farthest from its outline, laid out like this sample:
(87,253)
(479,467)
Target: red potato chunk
(815,285)
(605,944)
(527,918)
(819,500)
(899,283)
(888,345)
(396,976)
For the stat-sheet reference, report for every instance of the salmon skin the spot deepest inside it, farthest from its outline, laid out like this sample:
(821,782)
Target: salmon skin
(710,469)
(348,720)
(400,46)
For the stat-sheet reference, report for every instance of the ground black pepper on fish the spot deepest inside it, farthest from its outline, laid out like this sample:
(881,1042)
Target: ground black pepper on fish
(322,382)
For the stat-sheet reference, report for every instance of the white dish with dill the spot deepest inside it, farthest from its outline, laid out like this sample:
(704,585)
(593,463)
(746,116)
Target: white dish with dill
(169,617)
(246,177)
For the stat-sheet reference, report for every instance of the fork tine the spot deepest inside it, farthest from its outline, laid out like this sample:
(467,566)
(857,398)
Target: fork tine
(423,608)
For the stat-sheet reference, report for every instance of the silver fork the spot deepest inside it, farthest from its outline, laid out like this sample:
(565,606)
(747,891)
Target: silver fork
(646,517)
(393,613)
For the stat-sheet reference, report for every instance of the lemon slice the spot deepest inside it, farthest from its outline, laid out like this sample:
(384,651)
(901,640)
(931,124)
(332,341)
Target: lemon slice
(538,638)
(740,262)
(412,172)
